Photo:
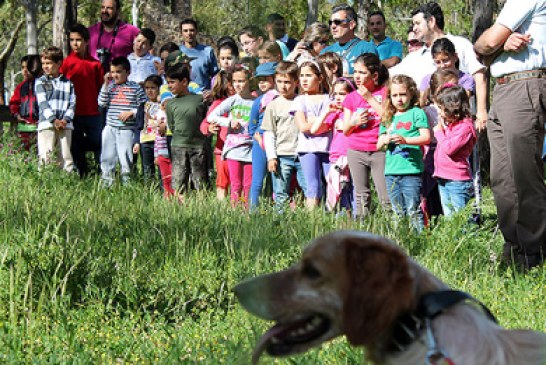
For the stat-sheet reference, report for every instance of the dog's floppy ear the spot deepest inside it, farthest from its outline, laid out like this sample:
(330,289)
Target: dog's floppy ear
(379,288)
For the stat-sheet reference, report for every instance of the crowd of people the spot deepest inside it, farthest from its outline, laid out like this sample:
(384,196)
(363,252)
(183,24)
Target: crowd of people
(308,115)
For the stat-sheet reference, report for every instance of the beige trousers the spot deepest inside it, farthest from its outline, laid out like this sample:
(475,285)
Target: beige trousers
(53,142)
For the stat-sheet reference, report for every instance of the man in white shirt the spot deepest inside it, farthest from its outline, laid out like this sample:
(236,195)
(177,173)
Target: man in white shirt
(428,25)
(516,128)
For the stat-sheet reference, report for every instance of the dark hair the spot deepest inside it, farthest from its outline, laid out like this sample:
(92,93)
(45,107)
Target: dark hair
(155,79)
(123,62)
(178,71)
(318,70)
(53,53)
(431,10)
(329,59)
(148,34)
(410,28)
(251,31)
(287,68)
(24,59)
(226,42)
(437,79)
(169,47)
(373,64)
(377,12)
(349,86)
(34,64)
(453,100)
(273,18)
(118,4)
(250,62)
(81,30)
(444,45)
(188,21)
(221,86)
(351,14)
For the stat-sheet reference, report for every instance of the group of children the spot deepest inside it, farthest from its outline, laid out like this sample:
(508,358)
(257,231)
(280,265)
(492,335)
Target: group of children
(302,125)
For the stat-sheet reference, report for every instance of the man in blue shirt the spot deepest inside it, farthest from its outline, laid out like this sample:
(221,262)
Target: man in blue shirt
(204,66)
(390,51)
(348,46)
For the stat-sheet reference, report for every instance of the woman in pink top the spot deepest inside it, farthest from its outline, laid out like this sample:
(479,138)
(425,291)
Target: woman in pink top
(362,117)
(456,137)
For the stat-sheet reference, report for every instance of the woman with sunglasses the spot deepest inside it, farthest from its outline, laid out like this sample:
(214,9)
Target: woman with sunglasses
(315,38)
(413,43)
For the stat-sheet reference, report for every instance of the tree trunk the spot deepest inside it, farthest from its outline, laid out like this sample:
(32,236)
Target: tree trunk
(165,20)
(4,58)
(312,12)
(362,15)
(59,24)
(71,13)
(31,10)
(134,12)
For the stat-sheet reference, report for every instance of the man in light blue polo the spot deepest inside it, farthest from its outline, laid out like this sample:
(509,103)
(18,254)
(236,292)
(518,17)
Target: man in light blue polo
(348,46)
(204,65)
(390,51)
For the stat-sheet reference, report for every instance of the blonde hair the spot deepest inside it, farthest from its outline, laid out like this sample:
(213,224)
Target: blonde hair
(389,110)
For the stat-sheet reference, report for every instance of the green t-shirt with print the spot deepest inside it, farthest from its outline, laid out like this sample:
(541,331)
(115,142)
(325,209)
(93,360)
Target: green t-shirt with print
(405,159)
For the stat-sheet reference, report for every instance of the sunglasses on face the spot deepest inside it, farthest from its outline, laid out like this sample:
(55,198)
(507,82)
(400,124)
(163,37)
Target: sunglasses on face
(338,22)
(414,42)
(323,42)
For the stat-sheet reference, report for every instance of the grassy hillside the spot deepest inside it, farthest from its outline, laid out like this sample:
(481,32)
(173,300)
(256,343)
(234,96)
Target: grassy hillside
(121,276)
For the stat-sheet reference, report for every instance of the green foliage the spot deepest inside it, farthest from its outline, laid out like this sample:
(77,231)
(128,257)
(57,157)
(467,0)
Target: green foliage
(123,276)
(217,18)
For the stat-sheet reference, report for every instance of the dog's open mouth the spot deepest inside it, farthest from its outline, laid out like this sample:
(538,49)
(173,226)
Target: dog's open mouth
(285,339)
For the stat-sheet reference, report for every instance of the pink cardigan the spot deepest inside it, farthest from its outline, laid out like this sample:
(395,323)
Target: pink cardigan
(454,147)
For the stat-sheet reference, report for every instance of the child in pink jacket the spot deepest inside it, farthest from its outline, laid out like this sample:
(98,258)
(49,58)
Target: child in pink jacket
(456,137)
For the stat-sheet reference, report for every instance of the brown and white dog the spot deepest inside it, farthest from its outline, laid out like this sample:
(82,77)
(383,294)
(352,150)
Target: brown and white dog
(365,287)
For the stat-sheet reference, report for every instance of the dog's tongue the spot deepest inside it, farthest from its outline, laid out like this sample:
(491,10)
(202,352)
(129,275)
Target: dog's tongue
(264,340)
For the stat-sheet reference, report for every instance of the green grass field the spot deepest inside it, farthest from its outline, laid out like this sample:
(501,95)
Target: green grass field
(121,276)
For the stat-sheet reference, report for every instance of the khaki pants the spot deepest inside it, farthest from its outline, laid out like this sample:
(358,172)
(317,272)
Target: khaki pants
(52,141)
(516,134)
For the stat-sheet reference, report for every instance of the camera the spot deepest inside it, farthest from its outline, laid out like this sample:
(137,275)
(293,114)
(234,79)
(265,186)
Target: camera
(308,45)
(103,55)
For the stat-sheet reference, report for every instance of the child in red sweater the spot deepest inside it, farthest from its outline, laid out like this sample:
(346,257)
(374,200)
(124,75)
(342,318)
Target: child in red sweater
(23,105)
(86,74)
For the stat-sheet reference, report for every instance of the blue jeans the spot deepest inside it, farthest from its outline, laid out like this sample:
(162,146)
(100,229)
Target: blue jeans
(117,146)
(454,194)
(315,166)
(286,167)
(404,193)
(259,170)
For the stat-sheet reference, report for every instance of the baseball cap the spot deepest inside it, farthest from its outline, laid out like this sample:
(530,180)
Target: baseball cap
(266,69)
(177,57)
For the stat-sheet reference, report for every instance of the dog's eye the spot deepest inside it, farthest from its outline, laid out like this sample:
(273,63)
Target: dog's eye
(310,272)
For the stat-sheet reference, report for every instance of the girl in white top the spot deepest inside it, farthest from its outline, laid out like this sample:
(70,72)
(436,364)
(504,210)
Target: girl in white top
(312,149)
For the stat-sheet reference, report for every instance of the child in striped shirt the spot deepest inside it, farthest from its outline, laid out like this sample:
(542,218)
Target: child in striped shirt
(57,103)
(121,98)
